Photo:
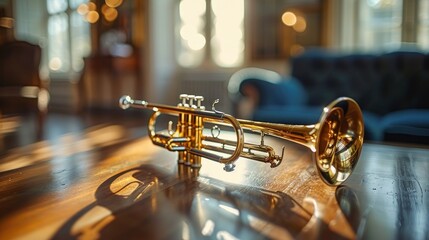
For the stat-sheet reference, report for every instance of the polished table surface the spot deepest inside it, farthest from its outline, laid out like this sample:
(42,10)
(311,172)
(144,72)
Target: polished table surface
(99,186)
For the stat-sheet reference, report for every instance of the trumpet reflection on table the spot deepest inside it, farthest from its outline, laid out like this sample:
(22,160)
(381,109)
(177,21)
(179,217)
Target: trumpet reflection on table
(145,202)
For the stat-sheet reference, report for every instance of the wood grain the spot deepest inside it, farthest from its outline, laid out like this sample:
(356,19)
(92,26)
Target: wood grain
(132,189)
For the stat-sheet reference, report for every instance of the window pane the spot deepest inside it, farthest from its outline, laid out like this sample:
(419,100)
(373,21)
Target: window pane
(380,23)
(56,6)
(191,30)
(58,52)
(423,28)
(80,40)
(227,30)
(75,3)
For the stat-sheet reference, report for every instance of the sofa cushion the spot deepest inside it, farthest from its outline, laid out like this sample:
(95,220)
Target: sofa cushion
(410,125)
(380,83)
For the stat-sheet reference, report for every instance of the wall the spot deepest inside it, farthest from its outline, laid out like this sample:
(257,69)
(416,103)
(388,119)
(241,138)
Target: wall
(161,66)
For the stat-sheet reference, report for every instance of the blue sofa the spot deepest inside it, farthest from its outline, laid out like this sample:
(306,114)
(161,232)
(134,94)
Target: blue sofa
(392,90)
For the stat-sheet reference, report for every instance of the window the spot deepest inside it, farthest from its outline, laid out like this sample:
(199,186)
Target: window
(68,36)
(380,23)
(423,26)
(391,23)
(210,30)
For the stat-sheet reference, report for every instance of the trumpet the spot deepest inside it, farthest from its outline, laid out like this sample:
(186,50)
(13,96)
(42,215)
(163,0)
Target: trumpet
(336,140)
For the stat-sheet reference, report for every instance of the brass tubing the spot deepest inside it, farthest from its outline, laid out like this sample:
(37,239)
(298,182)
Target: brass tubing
(336,140)
(181,129)
(198,139)
(301,134)
(126,102)
(189,132)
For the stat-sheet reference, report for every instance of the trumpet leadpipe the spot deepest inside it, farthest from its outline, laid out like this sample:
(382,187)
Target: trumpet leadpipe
(126,102)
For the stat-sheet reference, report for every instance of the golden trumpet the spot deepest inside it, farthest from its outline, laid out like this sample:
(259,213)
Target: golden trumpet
(336,140)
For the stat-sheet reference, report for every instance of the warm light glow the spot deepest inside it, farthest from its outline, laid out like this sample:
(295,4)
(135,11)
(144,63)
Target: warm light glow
(55,64)
(191,9)
(227,58)
(300,24)
(228,37)
(296,49)
(227,42)
(29,91)
(191,32)
(83,9)
(104,8)
(92,6)
(9,124)
(92,17)
(110,14)
(289,18)
(113,3)
(187,31)
(197,42)
(228,10)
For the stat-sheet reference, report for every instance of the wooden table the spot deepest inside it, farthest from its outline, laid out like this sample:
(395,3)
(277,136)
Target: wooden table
(129,189)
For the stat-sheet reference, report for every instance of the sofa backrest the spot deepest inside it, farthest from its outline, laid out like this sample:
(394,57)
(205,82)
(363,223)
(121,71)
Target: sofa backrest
(380,83)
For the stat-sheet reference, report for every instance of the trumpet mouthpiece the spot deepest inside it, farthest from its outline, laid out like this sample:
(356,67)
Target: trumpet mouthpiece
(125,102)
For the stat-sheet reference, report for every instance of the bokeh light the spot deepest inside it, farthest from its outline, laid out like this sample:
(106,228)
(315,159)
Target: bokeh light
(289,18)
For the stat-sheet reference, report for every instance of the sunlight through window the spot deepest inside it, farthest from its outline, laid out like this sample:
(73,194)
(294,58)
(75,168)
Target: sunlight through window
(223,33)
(380,23)
(228,39)
(423,28)
(58,43)
(191,30)
(69,35)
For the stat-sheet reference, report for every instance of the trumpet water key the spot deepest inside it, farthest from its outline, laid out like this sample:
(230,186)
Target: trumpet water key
(336,140)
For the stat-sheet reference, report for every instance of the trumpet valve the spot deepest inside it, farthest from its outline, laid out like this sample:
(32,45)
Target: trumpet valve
(199,100)
(183,98)
(191,99)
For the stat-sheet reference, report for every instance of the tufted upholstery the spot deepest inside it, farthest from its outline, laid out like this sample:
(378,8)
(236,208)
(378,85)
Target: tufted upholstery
(391,88)
(380,83)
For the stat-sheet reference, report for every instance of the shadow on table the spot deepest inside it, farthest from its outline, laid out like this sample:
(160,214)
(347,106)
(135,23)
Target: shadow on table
(147,203)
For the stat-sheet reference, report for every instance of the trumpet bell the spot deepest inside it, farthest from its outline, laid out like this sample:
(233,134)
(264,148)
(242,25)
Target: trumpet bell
(339,140)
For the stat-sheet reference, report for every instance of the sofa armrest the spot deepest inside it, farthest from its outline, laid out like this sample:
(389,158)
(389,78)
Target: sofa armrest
(263,88)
